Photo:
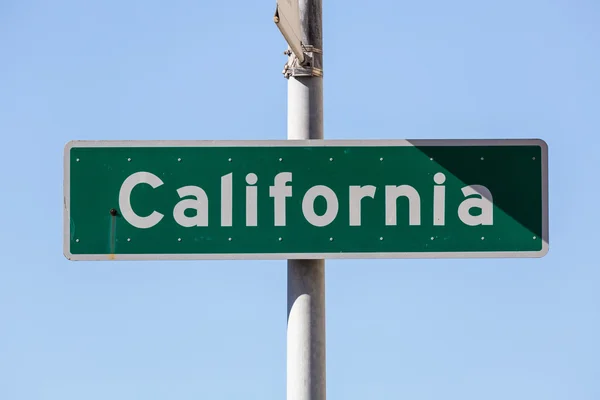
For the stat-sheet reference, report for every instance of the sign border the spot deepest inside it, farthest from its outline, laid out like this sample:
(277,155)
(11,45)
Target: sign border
(304,143)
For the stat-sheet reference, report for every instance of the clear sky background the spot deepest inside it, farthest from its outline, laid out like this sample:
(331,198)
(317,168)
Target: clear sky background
(396,329)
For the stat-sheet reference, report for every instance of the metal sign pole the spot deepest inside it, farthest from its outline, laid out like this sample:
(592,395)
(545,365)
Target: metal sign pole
(306,278)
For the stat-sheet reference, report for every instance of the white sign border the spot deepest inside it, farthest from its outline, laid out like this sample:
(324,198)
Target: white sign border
(304,143)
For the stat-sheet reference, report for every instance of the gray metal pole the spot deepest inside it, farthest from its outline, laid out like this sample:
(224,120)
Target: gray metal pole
(306,278)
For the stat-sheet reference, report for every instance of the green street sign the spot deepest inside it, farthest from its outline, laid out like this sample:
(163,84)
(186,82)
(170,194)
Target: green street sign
(166,200)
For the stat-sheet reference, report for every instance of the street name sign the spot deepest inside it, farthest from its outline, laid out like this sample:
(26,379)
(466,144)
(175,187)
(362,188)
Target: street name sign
(287,19)
(305,199)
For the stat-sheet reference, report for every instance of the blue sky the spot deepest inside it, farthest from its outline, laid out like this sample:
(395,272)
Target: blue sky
(396,329)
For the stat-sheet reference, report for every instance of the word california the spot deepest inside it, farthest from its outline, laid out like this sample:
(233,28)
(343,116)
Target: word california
(195,198)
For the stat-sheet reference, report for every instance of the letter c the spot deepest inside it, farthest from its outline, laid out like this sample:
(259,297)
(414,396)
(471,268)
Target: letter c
(125,200)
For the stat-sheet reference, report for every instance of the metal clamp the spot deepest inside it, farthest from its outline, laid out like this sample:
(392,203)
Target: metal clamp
(312,63)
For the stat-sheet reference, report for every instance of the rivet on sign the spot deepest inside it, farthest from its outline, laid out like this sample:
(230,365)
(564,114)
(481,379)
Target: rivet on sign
(230,239)
(432,238)
(113,212)
(281,159)
(179,239)
(129,239)
(381,159)
(77,240)
(331,239)
(179,159)
(431,159)
(230,160)
(482,238)
(129,159)
(535,237)
(331,159)
(481,158)
(280,239)
(381,238)
(77,160)
(532,159)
